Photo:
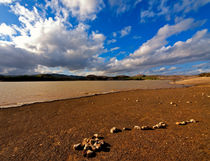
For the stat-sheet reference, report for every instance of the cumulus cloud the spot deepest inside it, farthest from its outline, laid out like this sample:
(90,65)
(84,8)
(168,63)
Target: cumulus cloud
(5,1)
(155,51)
(84,9)
(48,42)
(6,30)
(122,6)
(170,9)
(125,31)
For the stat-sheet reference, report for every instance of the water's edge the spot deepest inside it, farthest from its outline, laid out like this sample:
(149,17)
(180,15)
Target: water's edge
(90,95)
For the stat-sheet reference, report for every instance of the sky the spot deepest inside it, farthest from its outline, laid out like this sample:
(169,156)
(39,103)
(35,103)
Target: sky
(104,37)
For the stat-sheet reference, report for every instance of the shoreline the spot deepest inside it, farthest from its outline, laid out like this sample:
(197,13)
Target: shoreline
(19,105)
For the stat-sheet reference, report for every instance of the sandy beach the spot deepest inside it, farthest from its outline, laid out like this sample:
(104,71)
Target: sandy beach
(47,131)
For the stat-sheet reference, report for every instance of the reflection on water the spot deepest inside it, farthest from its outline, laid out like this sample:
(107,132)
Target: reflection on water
(18,93)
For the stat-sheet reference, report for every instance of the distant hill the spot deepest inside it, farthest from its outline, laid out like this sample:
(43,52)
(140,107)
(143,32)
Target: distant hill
(62,77)
(204,75)
(41,77)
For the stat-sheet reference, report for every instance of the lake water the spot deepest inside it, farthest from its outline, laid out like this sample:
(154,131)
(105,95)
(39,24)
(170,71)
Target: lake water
(19,93)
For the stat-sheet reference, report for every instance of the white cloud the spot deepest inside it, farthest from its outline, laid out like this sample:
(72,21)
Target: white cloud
(6,1)
(46,42)
(154,52)
(121,6)
(111,41)
(6,30)
(172,68)
(114,34)
(162,8)
(84,9)
(115,48)
(125,31)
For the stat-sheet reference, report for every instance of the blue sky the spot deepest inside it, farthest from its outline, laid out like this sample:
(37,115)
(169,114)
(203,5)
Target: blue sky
(104,37)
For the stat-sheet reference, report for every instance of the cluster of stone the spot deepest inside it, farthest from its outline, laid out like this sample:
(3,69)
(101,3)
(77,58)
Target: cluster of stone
(90,145)
(157,126)
(160,125)
(186,122)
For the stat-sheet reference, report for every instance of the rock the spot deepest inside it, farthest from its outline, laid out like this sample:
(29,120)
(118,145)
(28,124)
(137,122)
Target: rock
(77,146)
(87,147)
(101,142)
(172,103)
(85,141)
(114,130)
(192,121)
(137,127)
(95,136)
(88,153)
(146,128)
(188,102)
(97,146)
(159,125)
(181,123)
(137,101)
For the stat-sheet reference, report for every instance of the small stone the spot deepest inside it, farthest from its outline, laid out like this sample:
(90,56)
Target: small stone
(114,130)
(146,128)
(188,102)
(97,146)
(77,146)
(95,135)
(172,103)
(90,153)
(137,101)
(159,125)
(87,147)
(85,141)
(101,142)
(181,123)
(192,121)
(137,127)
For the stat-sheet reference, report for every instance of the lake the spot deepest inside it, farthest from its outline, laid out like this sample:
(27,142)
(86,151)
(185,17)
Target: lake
(19,93)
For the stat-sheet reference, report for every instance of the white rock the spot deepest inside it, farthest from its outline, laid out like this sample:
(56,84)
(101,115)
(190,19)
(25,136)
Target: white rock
(137,127)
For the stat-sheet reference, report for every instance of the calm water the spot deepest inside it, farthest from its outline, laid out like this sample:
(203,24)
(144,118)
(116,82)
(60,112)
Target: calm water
(18,93)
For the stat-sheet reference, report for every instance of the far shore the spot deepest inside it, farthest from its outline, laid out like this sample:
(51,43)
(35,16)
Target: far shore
(48,131)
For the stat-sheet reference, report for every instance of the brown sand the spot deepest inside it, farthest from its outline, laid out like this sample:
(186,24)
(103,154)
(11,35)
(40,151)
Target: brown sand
(195,81)
(47,131)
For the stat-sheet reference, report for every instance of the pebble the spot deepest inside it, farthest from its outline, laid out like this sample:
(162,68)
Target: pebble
(186,122)
(77,146)
(192,121)
(137,127)
(95,135)
(114,130)
(188,102)
(89,153)
(181,123)
(146,128)
(159,125)
(172,103)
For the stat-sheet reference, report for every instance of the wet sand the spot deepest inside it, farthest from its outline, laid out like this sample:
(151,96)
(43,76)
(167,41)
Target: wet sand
(47,131)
